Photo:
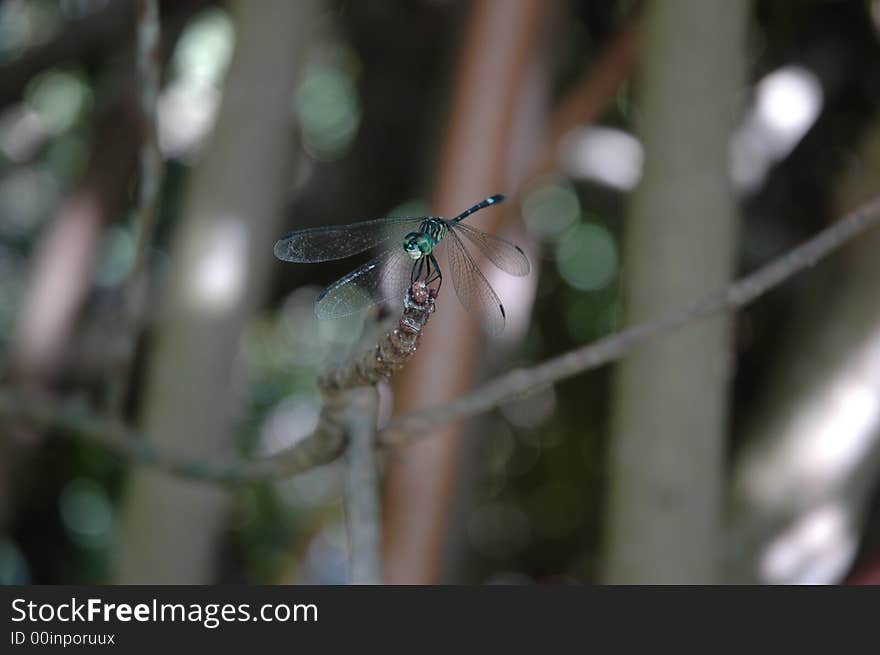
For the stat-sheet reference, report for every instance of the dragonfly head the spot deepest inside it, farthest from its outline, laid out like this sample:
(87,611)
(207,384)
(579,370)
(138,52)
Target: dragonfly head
(417,245)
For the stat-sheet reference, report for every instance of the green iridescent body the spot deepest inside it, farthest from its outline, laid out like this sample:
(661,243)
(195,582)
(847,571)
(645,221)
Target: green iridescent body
(422,243)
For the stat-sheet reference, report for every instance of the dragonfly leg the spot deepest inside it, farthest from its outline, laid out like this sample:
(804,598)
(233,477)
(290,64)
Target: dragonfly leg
(427,271)
(438,274)
(417,270)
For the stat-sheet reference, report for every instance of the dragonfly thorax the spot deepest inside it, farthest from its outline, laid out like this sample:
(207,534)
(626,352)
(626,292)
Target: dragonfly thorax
(421,243)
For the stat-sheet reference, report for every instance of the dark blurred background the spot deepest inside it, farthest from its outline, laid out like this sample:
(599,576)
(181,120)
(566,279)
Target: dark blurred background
(276,116)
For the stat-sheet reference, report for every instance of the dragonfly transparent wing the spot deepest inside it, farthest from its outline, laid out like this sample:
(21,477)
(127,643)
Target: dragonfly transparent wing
(508,257)
(321,244)
(385,277)
(472,288)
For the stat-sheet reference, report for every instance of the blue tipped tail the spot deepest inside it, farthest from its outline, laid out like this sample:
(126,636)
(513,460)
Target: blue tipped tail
(491,200)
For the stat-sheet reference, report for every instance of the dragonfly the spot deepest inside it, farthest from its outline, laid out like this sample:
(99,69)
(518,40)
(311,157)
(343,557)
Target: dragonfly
(407,253)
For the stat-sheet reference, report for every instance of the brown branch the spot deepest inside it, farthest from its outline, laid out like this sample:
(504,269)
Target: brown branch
(394,350)
(592,92)
(327,443)
(65,257)
(500,40)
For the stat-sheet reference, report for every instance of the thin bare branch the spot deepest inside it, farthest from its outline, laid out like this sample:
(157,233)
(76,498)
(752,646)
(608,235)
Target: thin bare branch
(738,294)
(75,418)
(149,31)
(394,350)
(362,502)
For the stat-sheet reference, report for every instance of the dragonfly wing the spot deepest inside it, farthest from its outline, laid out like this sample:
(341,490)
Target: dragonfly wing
(385,277)
(473,289)
(321,244)
(508,257)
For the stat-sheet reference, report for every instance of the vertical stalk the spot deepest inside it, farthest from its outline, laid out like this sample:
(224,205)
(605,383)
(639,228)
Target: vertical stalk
(148,69)
(149,33)
(499,43)
(669,411)
(221,258)
(362,500)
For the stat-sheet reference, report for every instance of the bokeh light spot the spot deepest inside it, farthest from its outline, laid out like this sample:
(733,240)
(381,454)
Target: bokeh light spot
(25,25)
(586,257)
(86,512)
(59,98)
(205,48)
(116,258)
(328,109)
(27,197)
(550,208)
(13,567)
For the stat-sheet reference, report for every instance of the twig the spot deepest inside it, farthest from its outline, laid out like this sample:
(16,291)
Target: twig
(76,419)
(327,443)
(606,350)
(394,349)
(362,500)
(149,30)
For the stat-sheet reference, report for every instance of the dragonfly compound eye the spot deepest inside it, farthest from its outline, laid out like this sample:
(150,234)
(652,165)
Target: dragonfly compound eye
(412,246)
